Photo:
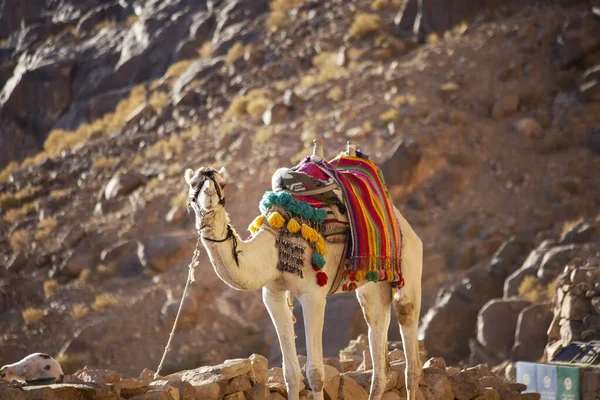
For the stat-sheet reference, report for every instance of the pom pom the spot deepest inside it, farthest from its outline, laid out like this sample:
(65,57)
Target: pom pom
(315,267)
(321,278)
(293,226)
(360,276)
(267,201)
(314,236)
(320,215)
(351,276)
(321,249)
(284,199)
(253,229)
(344,288)
(321,241)
(318,259)
(305,210)
(293,208)
(276,220)
(306,231)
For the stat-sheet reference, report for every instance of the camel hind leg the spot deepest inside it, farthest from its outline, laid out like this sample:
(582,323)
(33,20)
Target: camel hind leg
(408,305)
(375,300)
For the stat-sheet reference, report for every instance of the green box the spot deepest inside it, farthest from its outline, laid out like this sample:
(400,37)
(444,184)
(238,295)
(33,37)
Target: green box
(567,379)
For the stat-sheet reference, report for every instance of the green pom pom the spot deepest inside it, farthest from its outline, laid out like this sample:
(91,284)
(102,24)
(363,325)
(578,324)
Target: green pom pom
(318,260)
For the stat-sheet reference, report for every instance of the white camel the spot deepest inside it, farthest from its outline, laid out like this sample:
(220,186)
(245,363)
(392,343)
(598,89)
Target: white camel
(255,268)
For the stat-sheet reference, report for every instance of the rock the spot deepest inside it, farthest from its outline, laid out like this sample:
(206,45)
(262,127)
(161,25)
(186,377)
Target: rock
(399,167)
(275,114)
(390,396)
(531,396)
(196,71)
(437,382)
(531,333)
(334,362)
(130,387)
(591,322)
(103,376)
(578,37)
(141,114)
(505,106)
(507,394)
(435,362)
(332,383)
(530,128)
(592,141)
(87,390)
(554,261)
(488,393)
(235,396)
(75,234)
(10,392)
(350,390)
(238,384)
(499,338)
(122,257)
(464,386)
(397,355)
(574,308)
(570,331)
(76,261)
(595,305)
(590,91)
(16,263)
(582,232)
(188,316)
(529,268)
(123,183)
(158,254)
(260,367)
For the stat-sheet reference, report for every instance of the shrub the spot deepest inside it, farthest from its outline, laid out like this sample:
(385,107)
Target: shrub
(105,162)
(107,270)
(364,23)
(378,5)
(59,193)
(45,228)
(178,68)
(32,316)
(326,62)
(167,147)
(104,301)
(132,19)
(18,239)
(256,107)
(254,103)
(85,275)
(263,134)
(79,311)
(277,20)
(390,115)
(13,200)
(158,100)
(234,53)
(16,214)
(404,99)
(8,171)
(206,50)
(51,288)
(533,291)
(335,93)
(180,200)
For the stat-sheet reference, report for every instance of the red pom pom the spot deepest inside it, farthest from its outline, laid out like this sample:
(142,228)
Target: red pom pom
(322,279)
(315,267)
(351,276)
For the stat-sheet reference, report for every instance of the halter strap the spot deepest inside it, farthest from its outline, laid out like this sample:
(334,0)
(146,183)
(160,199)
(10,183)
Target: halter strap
(231,236)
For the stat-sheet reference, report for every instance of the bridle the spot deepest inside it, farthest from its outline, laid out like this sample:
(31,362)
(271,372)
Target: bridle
(209,173)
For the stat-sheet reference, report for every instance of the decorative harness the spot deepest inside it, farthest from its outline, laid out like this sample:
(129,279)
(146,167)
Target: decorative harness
(209,174)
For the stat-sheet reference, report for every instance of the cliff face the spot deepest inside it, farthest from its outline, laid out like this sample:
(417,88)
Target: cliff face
(487,134)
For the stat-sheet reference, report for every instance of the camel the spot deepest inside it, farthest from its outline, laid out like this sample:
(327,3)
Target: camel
(251,265)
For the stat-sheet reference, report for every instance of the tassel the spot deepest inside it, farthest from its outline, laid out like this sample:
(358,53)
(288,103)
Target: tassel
(382,275)
(314,236)
(276,220)
(315,267)
(344,287)
(321,278)
(318,260)
(321,249)
(253,229)
(321,241)
(293,226)
(306,231)
(351,276)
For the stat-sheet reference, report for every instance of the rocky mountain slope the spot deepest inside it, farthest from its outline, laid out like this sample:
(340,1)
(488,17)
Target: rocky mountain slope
(486,132)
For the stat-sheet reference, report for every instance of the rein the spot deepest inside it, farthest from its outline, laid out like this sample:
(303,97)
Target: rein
(231,236)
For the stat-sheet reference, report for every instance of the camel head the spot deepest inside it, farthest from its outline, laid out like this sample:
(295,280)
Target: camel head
(206,189)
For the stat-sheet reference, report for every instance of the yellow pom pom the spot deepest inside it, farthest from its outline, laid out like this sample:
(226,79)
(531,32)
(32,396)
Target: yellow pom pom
(390,275)
(276,220)
(321,241)
(314,236)
(293,226)
(321,249)
(253,229)
(360,276)
(306,231)
(258,221)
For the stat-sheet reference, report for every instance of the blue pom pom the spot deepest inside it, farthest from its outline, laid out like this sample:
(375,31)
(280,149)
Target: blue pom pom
(306,211)
(318,259)
(320,215)
(284,199)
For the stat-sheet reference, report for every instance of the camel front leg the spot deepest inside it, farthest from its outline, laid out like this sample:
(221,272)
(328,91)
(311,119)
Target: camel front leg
(276,303)
(313,310)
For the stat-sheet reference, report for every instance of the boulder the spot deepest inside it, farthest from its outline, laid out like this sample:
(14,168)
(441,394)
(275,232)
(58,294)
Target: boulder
(529,268)
(87,390)
(437,382)
(399,167)
(350,390)
(76,261)
(260,367)
(10,392)
(592,141)
(123,183)
(159,254)
(531,333)
(332,383)
(578,37)
(122,257)
(554,261)
(505,106)
(574,307)
(582,232)
(496,325)
(464,386)
(16,263)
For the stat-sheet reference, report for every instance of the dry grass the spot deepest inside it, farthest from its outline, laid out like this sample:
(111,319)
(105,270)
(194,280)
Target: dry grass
(104,301)
(285,5)
(390,115)
(235,52)
(206,50)
(107,23)
(175,170)
(335,93)
(59,194)
(18,239)
(404,99)
(51,288)
(253,103)
(263,134)
(132,19)
(45,228)
(533,291)
(180,200)
(8,171)
(17,214)
(106,162)
(79,311)
(365,23)
(159,100)
(296,158)
(14,200)
(36,159)
(277,20)
(326,62)
(568,225)
(178,68)
(166,147)
(378,5)
(32,316)
(137,161)
(85,276)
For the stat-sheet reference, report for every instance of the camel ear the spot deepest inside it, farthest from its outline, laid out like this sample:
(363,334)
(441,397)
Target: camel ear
(189,173)
(223,177)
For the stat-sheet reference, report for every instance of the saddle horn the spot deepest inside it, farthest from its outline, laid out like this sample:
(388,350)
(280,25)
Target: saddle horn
(317,150)
(351,148)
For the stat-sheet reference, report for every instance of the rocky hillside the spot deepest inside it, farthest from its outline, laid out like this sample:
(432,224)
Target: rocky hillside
(487,134)
(251,378)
